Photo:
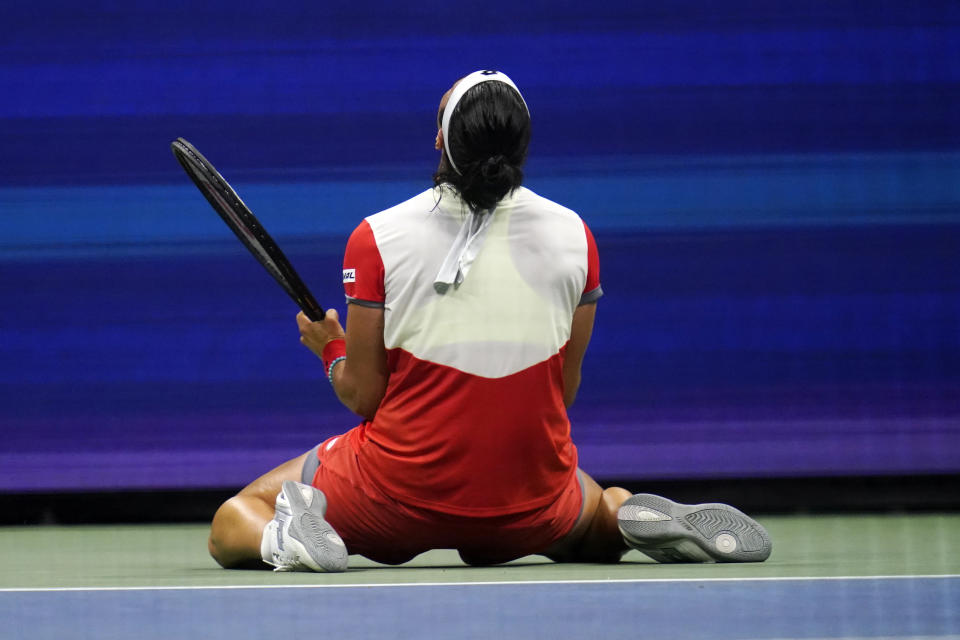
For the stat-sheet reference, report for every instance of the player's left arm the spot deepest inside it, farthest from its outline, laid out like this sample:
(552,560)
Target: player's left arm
(580,333)
(583,316)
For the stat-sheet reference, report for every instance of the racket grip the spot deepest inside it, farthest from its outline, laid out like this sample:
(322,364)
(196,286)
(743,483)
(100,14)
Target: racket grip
(311,308)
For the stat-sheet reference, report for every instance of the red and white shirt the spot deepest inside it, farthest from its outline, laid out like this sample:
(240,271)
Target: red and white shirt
(473,420)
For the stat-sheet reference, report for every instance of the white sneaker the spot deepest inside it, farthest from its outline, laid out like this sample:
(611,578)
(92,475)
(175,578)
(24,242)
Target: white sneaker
(298,538)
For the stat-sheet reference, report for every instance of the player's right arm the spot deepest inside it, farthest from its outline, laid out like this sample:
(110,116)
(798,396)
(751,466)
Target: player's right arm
(361,380)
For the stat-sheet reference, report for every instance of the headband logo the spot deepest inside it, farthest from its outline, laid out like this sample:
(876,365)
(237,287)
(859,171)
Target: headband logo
(488,72)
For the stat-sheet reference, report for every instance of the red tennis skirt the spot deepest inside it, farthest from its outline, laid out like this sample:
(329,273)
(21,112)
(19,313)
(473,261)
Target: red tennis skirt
(374,525)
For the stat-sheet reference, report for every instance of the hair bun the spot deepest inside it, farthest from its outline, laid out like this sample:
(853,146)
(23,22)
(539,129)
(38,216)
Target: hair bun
(493,168)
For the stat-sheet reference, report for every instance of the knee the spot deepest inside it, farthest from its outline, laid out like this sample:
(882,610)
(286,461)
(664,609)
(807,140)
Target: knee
(220,531)
(603,542)
(214,550)
(606,517)
(610,502)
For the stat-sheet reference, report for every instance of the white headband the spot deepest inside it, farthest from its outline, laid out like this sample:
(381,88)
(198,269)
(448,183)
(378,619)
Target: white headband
(459,91)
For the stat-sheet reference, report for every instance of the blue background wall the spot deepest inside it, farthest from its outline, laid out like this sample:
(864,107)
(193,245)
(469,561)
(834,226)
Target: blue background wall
(775,192)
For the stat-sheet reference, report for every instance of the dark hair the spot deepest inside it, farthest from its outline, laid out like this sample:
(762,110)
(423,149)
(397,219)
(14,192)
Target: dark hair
(488,136)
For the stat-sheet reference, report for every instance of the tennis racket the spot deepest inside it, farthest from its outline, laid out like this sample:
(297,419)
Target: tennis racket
(245,225)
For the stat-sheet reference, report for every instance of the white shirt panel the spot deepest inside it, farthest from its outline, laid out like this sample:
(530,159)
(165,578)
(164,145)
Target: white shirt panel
(515,307)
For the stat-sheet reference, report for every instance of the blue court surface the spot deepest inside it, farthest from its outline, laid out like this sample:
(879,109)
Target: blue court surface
(856,576)
(882,607)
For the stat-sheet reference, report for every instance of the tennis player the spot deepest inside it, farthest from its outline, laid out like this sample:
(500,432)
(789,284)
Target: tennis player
(470,307)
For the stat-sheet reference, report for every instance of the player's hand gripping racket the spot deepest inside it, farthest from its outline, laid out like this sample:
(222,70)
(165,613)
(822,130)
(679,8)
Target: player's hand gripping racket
(238,217)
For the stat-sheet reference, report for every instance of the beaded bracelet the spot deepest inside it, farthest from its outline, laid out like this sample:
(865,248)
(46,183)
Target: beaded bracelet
(332,365)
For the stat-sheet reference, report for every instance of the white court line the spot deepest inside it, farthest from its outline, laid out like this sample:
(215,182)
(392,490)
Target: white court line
(369,585)
(950,637)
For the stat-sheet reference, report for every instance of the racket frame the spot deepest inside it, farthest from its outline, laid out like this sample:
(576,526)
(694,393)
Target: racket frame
(232,210)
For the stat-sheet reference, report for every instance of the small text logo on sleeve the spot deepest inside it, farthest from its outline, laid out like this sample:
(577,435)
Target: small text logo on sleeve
(349,275)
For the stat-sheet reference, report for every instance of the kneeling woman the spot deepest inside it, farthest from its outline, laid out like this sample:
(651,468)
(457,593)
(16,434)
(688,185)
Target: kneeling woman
(470,307)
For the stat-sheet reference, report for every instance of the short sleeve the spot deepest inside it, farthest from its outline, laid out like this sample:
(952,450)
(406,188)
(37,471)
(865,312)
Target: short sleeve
(592,291)
(363,268)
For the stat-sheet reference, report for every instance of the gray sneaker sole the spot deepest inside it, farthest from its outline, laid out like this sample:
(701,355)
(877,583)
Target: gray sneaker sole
(669,532)
(309,528)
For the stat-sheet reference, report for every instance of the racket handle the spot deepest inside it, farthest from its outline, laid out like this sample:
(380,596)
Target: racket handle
(310,307)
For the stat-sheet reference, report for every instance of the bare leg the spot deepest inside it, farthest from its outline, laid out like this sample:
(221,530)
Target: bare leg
(596,537)
(238,524)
